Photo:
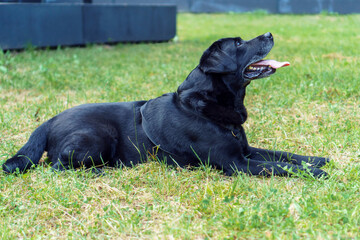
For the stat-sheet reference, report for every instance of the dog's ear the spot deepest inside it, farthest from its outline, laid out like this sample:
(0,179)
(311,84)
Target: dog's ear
(215,60)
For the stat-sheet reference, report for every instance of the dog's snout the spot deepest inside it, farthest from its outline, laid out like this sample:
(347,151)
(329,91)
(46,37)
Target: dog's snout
(268,35)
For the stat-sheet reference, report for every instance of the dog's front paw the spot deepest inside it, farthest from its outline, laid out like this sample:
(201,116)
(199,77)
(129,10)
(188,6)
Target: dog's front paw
(318,162)
(318,173)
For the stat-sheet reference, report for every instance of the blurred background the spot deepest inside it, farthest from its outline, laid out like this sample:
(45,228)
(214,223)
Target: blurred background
(199,6)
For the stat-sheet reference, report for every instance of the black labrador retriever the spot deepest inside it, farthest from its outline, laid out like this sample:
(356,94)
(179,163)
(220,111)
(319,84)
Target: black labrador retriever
(199,123)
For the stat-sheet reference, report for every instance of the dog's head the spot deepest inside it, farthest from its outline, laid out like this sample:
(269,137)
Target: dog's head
(244,58)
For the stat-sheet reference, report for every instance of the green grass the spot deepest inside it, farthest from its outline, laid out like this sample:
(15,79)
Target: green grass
(311,107)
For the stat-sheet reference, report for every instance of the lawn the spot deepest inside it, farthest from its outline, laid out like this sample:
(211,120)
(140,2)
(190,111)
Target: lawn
(311,107)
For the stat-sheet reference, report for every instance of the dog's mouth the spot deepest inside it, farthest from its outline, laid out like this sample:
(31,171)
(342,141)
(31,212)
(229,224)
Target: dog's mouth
(263,68)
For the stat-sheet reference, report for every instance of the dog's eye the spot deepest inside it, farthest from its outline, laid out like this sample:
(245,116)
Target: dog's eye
(238,43)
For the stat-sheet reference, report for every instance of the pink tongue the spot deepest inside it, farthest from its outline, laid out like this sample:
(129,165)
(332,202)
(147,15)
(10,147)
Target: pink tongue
(272,63)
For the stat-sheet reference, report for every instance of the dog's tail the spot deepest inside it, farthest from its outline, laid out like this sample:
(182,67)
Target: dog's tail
(30,153)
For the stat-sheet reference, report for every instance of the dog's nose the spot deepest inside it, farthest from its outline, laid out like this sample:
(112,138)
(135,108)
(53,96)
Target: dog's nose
(268,35)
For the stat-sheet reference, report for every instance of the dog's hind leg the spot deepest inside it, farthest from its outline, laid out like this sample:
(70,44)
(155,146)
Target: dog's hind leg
(279,156)
(84,150)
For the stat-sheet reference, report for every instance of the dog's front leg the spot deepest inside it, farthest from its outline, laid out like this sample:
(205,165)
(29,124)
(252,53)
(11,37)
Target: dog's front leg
(264,168)
(279,156)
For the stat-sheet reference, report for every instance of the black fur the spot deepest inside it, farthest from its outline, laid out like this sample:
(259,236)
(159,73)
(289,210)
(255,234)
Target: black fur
(201,122)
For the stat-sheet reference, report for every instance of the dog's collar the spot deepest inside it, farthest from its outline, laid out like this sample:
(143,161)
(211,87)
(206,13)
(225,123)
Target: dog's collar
(236,133)
(145,127)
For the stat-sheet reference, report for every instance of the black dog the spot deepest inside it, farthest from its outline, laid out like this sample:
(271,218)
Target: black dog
(201,122)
